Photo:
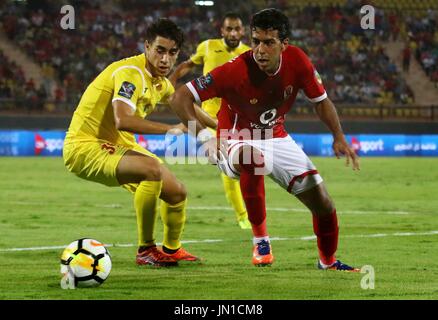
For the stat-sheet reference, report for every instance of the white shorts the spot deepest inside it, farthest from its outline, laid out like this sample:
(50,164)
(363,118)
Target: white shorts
(285,163)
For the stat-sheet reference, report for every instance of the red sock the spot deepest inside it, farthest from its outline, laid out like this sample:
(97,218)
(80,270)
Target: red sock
(253,192)
(326,230)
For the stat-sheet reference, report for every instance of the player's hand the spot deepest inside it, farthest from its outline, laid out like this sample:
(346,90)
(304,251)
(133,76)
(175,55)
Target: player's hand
(216,150)
(211,150)
(178,129)
(341,147)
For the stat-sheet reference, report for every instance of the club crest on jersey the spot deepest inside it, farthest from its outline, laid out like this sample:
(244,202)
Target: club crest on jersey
(126,90)
(203,82)
(318,77)
(288,92)
(253,101)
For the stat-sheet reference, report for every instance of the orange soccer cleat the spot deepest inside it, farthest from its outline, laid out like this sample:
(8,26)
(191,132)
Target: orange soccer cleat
(182,255)
(262,254)
(155,257)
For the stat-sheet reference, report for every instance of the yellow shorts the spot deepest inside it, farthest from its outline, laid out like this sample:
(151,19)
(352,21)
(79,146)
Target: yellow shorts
(97,160)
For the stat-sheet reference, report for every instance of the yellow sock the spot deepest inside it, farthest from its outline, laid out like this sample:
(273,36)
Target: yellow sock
(234,196)
(174,218)
(145,204)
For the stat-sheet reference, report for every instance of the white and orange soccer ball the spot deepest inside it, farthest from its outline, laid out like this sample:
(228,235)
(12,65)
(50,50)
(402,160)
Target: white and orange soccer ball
(84,263)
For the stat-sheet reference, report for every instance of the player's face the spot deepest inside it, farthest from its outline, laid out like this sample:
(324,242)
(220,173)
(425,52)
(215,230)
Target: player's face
(161,55)
(267,49)
(232,32)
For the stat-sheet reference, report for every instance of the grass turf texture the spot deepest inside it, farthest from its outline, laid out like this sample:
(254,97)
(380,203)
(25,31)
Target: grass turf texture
(44,205)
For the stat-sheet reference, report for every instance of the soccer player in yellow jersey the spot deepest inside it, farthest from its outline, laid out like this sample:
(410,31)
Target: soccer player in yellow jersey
(213,53)
(100,145)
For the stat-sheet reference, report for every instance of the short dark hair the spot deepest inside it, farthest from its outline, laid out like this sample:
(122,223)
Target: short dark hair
(231,15)
(167,29)
(271,19)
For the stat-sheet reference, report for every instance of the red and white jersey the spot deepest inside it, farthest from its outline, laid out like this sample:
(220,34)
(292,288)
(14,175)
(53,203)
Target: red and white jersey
(251,99)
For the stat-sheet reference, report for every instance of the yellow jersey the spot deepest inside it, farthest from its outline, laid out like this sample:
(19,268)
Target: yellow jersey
(213,53)
(126,80)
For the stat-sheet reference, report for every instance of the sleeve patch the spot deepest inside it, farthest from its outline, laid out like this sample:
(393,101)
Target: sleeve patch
(318,77)
(126,90)
(204,82)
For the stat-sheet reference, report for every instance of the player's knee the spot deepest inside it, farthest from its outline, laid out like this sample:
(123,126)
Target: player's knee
(326,206)
(178,195)
(151,171)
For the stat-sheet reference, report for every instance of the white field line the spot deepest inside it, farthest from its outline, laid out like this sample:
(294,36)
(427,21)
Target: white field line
(214,208)
(305,238)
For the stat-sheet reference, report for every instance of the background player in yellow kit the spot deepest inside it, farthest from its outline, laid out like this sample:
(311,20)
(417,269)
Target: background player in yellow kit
(213,53)
(100,145)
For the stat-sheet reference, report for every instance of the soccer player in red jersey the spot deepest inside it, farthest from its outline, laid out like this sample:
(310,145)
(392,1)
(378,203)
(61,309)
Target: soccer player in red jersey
(257,89)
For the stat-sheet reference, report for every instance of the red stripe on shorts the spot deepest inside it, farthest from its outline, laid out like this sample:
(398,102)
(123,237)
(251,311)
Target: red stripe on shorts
(303,175)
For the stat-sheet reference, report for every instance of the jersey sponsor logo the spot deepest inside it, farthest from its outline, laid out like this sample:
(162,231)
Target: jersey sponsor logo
(126,90)
(288,92)
(203,82)
(218,51)
(317,76)
(268,119)
(268,116)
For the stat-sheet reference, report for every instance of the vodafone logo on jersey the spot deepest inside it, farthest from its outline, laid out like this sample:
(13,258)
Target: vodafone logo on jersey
(47,145)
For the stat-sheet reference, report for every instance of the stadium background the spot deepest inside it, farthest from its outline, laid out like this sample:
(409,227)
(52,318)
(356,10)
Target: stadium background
(384,83)
(382,80)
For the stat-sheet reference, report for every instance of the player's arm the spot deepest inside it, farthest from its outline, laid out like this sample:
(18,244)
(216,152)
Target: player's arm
(327,113)
(182,103)
(126,120)
(315,92)
(205,118)
(181,70)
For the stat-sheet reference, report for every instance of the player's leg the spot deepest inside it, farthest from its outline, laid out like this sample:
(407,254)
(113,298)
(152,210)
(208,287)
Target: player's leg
(249,161)
(325,226)
(232,190)
(173,215)
(296,173)
(135,167)
(234,197)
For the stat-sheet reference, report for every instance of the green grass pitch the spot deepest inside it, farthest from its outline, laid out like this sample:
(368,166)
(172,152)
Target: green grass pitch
(387,214)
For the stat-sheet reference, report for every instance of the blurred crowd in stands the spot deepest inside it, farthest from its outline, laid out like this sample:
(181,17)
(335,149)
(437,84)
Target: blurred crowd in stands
(351,61)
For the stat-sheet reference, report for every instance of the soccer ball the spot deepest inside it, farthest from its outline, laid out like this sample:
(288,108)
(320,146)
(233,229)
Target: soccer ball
(85,263)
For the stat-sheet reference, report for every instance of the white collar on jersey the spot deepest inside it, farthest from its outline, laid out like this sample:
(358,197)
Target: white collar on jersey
(279,65)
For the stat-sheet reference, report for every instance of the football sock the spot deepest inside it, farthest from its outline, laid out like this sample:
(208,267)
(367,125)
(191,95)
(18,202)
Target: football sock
(234,196)
(253,191)
(169,251)
(173,217)
(327,231)
(256,240)
(145,204)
